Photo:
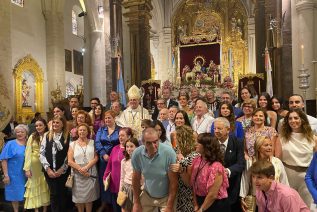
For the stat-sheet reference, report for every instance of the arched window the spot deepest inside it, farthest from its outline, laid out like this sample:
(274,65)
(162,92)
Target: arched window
(74,23)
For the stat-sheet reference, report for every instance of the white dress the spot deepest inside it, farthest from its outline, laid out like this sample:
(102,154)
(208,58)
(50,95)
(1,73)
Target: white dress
(85,189)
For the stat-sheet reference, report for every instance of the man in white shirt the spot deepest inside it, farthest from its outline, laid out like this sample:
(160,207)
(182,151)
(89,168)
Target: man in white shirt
(171,125)
(297,101)
(202,120)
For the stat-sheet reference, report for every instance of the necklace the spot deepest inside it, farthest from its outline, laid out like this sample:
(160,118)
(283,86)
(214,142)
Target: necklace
(199,169)
(85,160)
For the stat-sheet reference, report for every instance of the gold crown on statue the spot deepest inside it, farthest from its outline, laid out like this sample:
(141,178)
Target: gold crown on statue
(134,92)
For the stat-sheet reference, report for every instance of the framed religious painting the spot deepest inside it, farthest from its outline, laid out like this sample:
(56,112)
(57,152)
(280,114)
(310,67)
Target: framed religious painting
(78,62)
(68,60)
(28,89)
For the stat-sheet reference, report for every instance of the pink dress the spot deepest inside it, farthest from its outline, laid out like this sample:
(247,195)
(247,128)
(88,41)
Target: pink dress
(203,177)
(114,166)
(251,135)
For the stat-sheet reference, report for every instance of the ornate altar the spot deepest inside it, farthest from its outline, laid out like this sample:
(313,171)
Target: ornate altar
(152,91)
(209,41)
(28,89)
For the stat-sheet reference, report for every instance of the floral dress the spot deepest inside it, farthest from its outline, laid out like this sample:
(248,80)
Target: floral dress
(251,135)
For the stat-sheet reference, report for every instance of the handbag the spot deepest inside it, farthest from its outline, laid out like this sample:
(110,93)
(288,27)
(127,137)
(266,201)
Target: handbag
(69,183)
(106,181)
(122,197)
(70,179)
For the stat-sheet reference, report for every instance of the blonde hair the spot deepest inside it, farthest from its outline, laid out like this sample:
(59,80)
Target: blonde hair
(257,145)
(185,139)
(64,129)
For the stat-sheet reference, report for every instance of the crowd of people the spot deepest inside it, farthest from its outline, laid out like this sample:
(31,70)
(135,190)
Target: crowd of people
(193,153)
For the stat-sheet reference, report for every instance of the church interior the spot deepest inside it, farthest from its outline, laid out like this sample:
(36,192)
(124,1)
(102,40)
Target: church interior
(53,49)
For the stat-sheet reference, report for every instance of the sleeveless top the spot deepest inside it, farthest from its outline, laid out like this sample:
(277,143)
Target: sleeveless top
(297,151)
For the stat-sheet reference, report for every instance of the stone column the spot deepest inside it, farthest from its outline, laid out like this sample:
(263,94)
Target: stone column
(97,67)
(167,71)
(55,56)
(305,10)
(138,14)
(6,92)
(54,44)
(96,51)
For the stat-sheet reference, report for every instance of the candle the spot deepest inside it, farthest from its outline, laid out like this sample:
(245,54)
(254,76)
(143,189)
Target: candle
(154,92)
(302,54)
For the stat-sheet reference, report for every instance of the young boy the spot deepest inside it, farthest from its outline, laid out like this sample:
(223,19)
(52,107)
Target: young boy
(273,196)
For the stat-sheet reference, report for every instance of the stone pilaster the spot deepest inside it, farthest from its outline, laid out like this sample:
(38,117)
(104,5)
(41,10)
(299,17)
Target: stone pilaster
(53,13)
(138,14)
(169,72)
(251,45)
(305,10)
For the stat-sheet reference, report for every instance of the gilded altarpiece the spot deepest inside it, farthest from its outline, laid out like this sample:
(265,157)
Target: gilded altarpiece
(214,36)
(28,89)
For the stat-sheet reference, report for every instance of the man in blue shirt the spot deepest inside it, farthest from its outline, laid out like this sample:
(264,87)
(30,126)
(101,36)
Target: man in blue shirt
(152,160)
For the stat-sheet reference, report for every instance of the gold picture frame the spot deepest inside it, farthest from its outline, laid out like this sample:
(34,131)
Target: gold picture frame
(28,93)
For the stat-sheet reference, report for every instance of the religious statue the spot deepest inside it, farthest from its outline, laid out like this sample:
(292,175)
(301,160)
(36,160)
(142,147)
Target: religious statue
(25,93)
(197,67)
(213,72)
(227,83)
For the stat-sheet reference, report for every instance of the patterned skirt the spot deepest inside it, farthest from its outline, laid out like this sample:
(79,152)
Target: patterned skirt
(85,189)
(128,205)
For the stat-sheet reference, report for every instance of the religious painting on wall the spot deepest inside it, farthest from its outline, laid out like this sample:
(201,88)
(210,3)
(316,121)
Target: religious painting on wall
(18,2)
(28,89)
(68,60)
(78,62)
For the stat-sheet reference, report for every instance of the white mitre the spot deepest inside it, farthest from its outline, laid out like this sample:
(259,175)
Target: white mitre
(134,92)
